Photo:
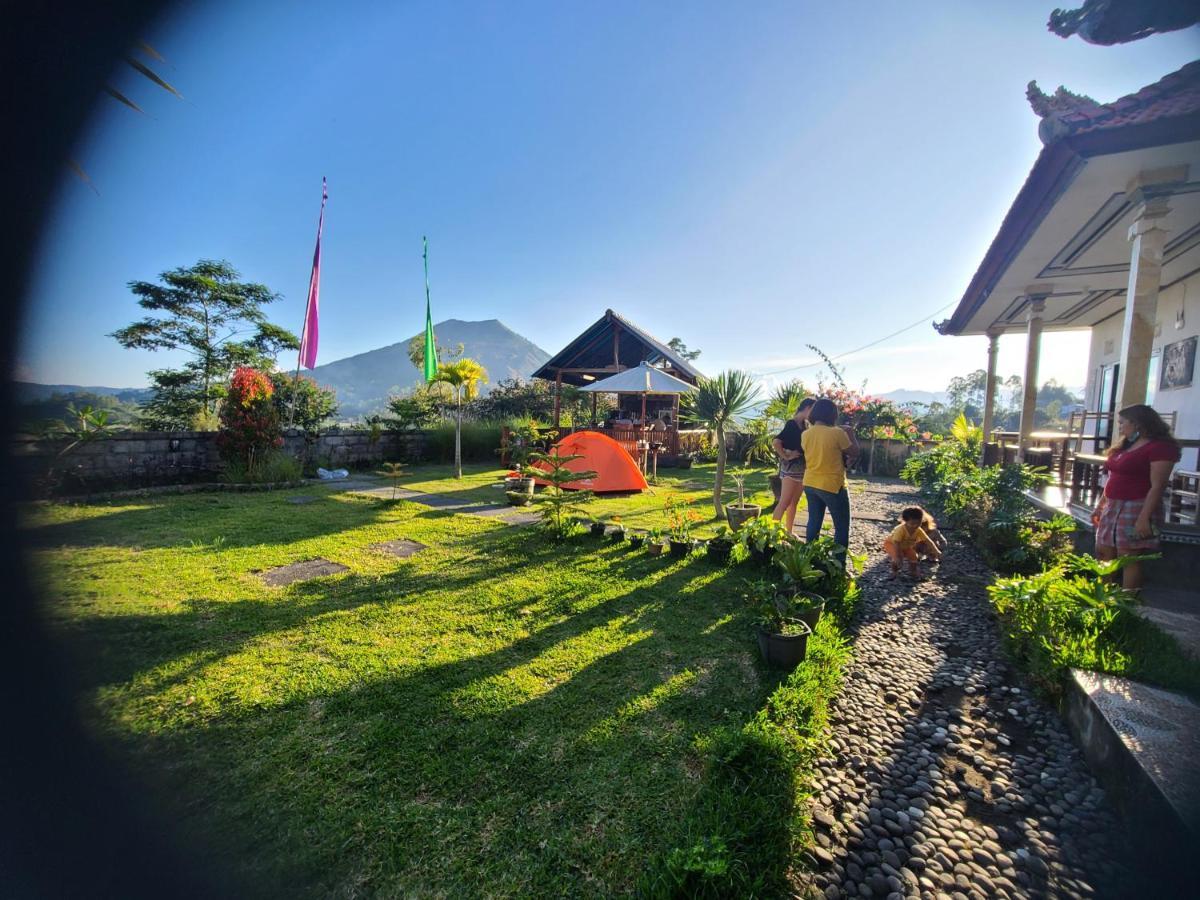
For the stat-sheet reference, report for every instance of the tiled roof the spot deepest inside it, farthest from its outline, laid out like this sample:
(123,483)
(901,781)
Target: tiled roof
(1178,94)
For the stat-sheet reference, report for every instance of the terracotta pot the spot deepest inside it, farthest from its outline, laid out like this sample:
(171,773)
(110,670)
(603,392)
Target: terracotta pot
(655,548)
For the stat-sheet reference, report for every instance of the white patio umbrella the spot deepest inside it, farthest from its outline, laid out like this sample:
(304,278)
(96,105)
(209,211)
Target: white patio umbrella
(641,379)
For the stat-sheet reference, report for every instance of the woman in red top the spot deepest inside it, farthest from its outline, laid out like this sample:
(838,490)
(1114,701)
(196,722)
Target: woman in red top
(1138,468)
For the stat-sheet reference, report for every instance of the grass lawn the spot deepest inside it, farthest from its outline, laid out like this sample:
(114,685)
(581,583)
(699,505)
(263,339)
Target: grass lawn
(495,715)
(644,510)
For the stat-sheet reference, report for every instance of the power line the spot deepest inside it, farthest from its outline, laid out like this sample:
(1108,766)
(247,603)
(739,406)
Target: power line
(812,365)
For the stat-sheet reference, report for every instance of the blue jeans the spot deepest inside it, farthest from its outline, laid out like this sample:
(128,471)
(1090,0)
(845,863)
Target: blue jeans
(839,510)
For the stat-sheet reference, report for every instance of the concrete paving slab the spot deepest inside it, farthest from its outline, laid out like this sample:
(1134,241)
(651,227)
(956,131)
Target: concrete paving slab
(401,548)
(301,571)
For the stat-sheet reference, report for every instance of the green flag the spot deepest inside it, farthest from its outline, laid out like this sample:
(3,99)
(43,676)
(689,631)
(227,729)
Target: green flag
(431,360)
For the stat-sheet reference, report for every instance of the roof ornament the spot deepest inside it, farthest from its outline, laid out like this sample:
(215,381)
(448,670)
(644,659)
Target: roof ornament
(1053,108)
(1108,22)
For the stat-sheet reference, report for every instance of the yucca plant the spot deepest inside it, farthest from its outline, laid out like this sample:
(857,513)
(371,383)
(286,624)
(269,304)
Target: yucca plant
(464,377)
(716,405)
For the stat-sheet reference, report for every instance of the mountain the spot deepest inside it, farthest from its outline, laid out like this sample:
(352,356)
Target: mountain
(902,396)
(31,392)
(364,382)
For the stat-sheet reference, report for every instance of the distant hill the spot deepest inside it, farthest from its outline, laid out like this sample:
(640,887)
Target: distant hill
(364,382)
(902,396)
(31,392)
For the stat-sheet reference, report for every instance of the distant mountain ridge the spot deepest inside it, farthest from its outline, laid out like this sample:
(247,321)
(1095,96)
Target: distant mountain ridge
(364,382)
(32,392)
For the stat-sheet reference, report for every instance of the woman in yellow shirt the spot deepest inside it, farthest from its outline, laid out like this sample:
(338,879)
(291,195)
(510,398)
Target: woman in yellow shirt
(827,449)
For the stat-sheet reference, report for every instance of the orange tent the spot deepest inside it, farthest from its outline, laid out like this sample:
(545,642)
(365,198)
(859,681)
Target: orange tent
(615,468)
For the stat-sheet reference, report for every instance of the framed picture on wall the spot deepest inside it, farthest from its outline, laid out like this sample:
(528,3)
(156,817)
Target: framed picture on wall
(1178,365)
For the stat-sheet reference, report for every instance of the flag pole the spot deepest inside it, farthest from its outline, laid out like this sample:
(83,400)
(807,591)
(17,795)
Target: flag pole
(307,355)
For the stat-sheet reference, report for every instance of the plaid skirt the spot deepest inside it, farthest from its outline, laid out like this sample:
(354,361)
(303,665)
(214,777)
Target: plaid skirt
(1115,527)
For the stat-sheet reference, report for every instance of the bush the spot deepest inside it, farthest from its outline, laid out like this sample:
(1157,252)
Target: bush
(1073,615)
(249,420)
(479,442)
(989,504)
(274,468)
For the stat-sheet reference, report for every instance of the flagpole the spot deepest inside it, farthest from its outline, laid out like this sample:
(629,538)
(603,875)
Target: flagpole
(308,355)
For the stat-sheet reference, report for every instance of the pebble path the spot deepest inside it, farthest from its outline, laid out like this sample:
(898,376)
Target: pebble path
(947,777)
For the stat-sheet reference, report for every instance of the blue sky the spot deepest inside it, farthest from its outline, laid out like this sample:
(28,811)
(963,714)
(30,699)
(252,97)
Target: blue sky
(749,177)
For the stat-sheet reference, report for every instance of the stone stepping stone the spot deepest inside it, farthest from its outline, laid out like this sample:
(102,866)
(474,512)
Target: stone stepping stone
(301,571)
(299,500)
(402,548)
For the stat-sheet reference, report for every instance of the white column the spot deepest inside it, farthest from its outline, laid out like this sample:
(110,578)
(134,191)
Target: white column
(989,399)
(1147,237)
(1033,351)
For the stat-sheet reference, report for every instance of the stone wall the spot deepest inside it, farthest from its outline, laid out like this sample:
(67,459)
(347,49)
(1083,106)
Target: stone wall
(142,458)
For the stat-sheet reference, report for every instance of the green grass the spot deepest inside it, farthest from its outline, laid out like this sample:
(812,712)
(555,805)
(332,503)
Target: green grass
(642,510)
(495,715)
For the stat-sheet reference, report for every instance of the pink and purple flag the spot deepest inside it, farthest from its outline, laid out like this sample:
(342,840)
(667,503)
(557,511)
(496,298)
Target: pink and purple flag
(308,337)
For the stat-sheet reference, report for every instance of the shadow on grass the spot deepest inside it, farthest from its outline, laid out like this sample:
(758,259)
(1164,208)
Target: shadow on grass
(466,776)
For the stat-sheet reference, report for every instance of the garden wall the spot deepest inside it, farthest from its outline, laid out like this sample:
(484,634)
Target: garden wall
(139,458)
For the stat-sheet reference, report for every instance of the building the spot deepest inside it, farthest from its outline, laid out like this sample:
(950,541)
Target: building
(1104,235)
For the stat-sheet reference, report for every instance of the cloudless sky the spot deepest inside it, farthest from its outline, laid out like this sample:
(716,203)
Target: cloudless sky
(749,177)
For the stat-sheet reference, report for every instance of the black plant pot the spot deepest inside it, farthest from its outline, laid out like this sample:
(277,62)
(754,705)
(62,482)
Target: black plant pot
(636,540)
(680,548)
(761,557)
(617,535)
(598,529)
(718,551)
(783,651)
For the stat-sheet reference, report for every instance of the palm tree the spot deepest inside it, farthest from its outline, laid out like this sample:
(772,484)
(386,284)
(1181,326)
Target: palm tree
(464,377)
(716,405)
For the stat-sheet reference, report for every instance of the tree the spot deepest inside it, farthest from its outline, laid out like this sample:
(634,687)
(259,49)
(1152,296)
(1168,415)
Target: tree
(313,404)
(416,351)
(681,349)
(785,399)
(419,408)
(218,321)
(716,404)
(464,377)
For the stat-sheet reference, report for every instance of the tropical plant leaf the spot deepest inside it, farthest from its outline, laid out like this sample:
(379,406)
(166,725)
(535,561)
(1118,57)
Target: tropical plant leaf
(151,52)
(149,73)
(117,95)
(83,176)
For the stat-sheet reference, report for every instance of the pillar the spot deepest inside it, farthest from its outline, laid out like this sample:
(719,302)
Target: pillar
(557,396)
(989,398)
(1147,237)
(1033,350)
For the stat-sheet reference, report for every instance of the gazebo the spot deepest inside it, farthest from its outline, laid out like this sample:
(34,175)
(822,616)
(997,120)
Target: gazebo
(612,345)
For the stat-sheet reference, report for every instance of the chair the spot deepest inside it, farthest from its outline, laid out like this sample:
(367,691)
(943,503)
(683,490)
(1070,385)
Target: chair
(1183,497)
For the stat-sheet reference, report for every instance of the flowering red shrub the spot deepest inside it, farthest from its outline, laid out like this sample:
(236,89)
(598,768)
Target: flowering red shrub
(249,421)
(871,416)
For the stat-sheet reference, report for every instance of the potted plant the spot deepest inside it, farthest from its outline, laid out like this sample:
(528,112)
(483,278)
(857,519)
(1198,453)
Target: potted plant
(654,542)
(741,512)
(524,443)
(598,528)
(618,532)
(761,537)
(680,516)
(804,567)
(720,545)
(518,498)
(782,636)
(636,539)
(684,460)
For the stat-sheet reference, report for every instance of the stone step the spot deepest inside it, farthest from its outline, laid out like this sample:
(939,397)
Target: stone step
(1142,743)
